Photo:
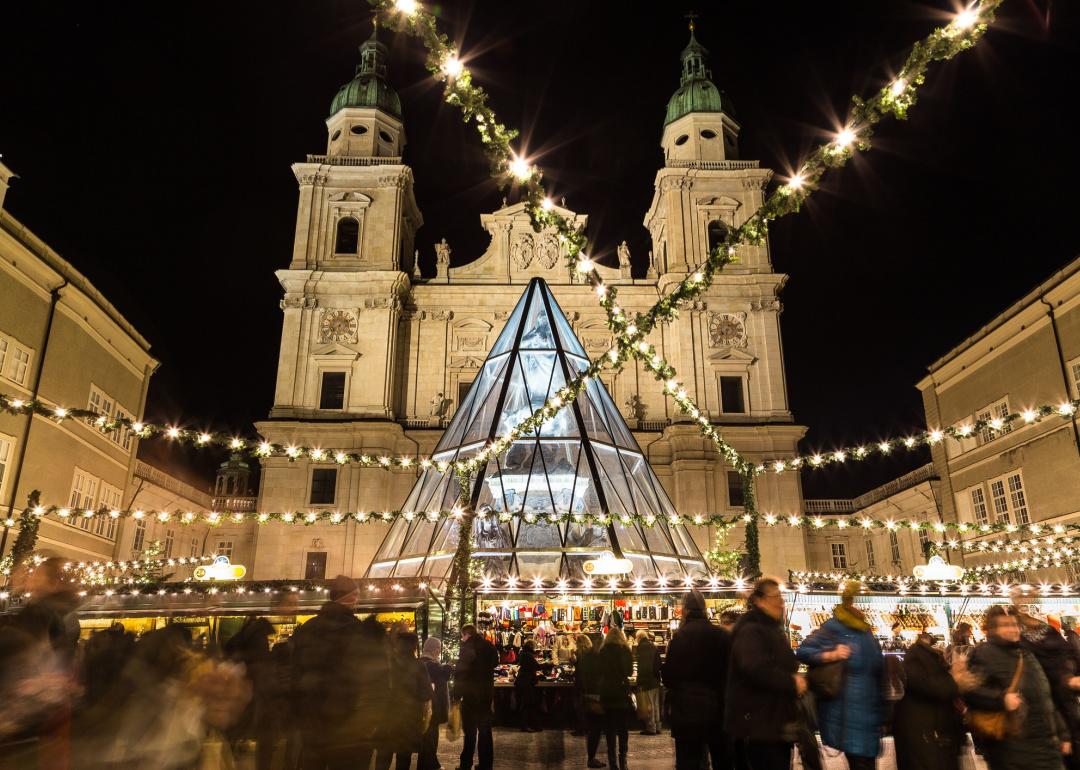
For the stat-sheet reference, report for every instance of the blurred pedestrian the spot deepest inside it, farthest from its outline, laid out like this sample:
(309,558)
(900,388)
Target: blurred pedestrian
(1012,683)
(341,684)
(251,647)
(474,684)
(439,674)
(38,678)
(525,688)
(927,727)
(852,721)
(615,666)
(961,642)
(587,683)
(695,674)
(647,659)
(410,699)
(763,685)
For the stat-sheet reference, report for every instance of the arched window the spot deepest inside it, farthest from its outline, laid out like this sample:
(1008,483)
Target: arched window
(717,234)
(348,236)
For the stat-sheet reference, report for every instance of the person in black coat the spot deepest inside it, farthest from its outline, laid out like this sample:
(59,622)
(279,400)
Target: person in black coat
(474,684)
(340,683)
(927,726)
(763,685)
(525,688)
(439,674)
(695,673)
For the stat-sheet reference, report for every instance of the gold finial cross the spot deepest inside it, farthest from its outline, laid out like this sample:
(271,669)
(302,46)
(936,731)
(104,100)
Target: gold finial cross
(690,17)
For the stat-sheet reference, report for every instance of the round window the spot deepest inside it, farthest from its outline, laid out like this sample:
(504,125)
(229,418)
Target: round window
(682,140)
(336,136)
(708,134)
(386,137)
(359,129)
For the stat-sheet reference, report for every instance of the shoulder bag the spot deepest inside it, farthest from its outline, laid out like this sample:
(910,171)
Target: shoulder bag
(826,680)
(996,725)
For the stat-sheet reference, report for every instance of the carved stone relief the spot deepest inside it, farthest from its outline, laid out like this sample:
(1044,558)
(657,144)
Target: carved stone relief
(521,250)
(547,253)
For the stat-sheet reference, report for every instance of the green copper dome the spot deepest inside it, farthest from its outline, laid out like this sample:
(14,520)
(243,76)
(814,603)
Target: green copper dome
(696,92)
(369,88)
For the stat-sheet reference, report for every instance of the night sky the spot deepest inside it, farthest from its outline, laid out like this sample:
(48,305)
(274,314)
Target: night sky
(154,141)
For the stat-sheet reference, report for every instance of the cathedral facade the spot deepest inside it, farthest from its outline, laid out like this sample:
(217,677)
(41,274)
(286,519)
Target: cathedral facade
(375,357)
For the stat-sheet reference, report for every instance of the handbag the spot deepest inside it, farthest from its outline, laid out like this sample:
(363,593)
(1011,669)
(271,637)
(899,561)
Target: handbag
(996,725)
(453,722)
(644,707)
(826,680)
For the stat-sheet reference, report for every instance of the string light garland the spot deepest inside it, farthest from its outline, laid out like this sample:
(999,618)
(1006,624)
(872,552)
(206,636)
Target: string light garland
(1033,545)
(994,427)
(972,584)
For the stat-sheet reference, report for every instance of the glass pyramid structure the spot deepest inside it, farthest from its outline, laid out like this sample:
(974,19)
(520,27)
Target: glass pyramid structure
(583,463)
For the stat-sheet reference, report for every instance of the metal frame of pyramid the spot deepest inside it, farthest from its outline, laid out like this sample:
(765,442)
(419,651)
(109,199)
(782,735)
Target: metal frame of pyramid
(583,463)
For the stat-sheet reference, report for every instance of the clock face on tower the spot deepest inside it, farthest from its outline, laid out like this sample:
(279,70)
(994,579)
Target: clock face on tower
(337,326)
(727,330)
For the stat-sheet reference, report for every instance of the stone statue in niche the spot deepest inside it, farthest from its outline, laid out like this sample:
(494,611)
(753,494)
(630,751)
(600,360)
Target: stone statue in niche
(635,408)
(416,265)
(442,253)
(624,254)
(439,405)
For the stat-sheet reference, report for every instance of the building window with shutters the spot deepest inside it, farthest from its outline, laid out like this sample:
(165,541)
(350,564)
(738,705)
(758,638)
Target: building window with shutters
(83,497)
(924,541)
(194,547)
(870,560)
(1074,372)
(323,486)
(1000,501)
(14,360)
(7,450)
(224,548)
(170,537)
(315,565)
(109,498)
(839,555)
(894,546)
(996,411)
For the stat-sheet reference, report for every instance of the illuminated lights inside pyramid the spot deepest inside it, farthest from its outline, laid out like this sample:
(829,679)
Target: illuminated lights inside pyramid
(582,464)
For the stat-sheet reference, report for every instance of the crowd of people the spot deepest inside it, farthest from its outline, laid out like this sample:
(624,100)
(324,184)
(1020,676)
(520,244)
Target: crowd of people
(348,693)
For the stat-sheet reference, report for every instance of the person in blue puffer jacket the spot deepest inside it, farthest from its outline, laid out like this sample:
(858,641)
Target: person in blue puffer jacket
(851,722)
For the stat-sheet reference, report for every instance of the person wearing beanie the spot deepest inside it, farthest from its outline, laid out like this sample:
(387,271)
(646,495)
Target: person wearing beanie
(439,674)
(852,721)
(695,673)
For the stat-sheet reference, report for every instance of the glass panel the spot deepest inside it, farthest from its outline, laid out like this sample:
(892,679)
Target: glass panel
(537,326)
(684,541)
(539,536)
(574,564)
(615,422)
(438,566)
(490,535)
(512,480)
(643,566)
(447,538)
(542,565)
(483,414)
(419,540)
(477,411)
(587,536)
(495,566)
(655,539)
(509,331)
(629,536)
(615,482)
(594,422)
(560,459)
(409,567)
(695,568)
(567,339)
(516,407)
(668,566)
(381,570)
(565,422)
(391,545)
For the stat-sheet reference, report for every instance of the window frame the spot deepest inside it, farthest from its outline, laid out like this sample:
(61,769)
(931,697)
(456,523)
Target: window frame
(322,471)
(1074,371)
(307,564)
(838,554)
(7,451)
(105,526)
(138,536)
(82,497)
(337,236)
(225,548)
(344,389)
(894,547)
(15,355)
(742,380)
(740,487)
(871,557)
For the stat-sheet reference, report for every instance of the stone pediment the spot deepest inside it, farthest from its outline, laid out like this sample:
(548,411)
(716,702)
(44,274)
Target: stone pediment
(517,253)
(731,356)
(466,362)
(336,350)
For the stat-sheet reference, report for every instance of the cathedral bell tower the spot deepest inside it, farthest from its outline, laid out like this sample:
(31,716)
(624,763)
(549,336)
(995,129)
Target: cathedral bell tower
(704,188)
(353,254)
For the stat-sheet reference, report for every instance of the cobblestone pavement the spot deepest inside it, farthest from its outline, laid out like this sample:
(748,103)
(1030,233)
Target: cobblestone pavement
(558,748)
